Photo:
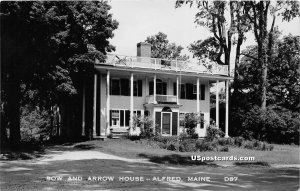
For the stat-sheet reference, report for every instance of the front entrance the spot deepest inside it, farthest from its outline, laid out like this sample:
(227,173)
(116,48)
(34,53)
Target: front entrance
(166,123)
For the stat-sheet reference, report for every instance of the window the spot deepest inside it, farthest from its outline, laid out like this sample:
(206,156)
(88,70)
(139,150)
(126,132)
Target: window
(125,88)
(161,87)
(115,87)
(202,121)
(119,118)
(122,87)
(115,117)
(137,112)
(181,119)
(138,88)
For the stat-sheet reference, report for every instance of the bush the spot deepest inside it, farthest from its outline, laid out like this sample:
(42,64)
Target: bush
(224,149)
(190,123)
(187,145)
(273,125)
(238,141)
(225,141)
(35,125)
(213,132)
(257,145)
(204,145)
(146,125)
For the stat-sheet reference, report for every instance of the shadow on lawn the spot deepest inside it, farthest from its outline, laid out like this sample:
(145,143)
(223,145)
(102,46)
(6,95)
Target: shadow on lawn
(252,164)
(175,159)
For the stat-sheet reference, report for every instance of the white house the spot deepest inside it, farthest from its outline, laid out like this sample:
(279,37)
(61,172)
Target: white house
(163,89)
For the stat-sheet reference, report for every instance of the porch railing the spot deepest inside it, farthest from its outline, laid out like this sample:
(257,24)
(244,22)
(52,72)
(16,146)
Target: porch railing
(164,64)
(161,99)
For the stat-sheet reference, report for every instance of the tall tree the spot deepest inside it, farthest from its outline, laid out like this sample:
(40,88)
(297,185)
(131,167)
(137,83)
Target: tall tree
(257,13)
(162,48)
(47,46)
(228,26)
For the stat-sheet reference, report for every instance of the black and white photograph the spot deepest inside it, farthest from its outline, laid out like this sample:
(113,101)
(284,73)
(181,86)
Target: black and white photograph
(138,95)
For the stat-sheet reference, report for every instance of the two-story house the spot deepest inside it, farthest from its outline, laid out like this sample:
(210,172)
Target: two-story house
(165,90)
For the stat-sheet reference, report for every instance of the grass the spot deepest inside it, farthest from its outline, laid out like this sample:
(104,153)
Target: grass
(282,154)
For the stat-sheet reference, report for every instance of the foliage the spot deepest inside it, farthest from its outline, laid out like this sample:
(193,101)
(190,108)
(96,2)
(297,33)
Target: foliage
(162,48)
(35,125)
(273,125)
(47,47)
(213,132)
(283,95)
(190,123)
(146,125)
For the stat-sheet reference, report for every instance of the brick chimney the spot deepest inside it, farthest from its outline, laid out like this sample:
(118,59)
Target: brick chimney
(143,49)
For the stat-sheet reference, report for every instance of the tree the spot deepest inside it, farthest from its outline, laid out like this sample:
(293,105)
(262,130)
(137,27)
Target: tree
(212,14)
(257,13)
(47,46)
(283,91)
(162,48)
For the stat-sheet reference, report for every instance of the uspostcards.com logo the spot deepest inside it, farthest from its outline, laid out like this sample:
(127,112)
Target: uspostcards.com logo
(221,158)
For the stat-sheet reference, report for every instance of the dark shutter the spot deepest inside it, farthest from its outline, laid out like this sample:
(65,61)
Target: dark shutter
(151,88)
(110,121)
(146,113)
(174,123)
(135,88)
(182,91)
(138,113)
(157,122)
(140,88)
(127,117)
(174,88)
(122,118)
(202,92)
(189,91)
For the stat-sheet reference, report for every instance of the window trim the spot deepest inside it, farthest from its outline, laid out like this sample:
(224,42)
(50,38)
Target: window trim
(161,127)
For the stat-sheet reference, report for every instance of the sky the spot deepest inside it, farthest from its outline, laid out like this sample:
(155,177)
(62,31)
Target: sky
(139,19)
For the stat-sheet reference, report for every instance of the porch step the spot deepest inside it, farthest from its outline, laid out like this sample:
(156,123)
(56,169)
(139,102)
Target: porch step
(118,132)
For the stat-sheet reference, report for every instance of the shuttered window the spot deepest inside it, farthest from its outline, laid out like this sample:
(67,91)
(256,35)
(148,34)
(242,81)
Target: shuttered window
(174,123)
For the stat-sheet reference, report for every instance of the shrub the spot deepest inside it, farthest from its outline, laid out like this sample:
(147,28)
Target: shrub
(257,145)
(274,125)
(213,132)
(187,145)
(145,124)
(204,145)
(224,149)
(225,141)
(110,136)
(35,125)
(238,141)
(190,123)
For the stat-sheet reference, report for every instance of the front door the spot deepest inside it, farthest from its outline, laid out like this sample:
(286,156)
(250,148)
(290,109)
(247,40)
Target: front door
(166,123)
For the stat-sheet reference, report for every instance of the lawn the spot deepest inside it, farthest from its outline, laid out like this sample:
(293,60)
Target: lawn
(281,154)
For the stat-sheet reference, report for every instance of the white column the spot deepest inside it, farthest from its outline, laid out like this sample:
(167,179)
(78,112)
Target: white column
(107,131)
(131,99)
(217,104)
(177,89)
(198,93)
(95,105)
(227,108)
(83,111)
(154,89)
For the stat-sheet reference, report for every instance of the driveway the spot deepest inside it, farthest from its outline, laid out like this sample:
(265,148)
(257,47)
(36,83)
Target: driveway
(64,169)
